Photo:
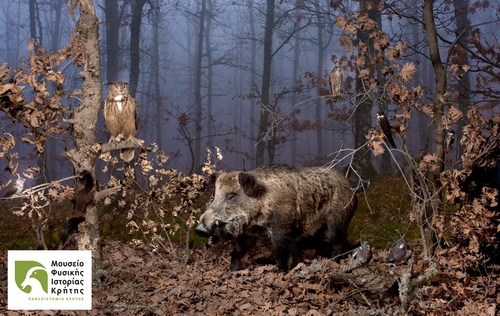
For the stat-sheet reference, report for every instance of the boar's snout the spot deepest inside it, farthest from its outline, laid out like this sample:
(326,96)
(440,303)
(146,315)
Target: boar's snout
(207,225)
(202,231)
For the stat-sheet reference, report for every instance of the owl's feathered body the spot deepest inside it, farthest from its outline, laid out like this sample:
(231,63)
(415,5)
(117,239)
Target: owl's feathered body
(336,81)
(120,116)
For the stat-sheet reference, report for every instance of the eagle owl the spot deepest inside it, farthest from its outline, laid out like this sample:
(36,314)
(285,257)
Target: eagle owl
(336,81)
(120,116)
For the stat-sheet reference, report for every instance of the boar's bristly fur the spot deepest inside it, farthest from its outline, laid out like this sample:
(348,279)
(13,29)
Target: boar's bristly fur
(296,207)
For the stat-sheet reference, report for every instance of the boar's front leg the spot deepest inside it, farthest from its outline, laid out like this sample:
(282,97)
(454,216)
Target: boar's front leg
(243,244)
(284,248)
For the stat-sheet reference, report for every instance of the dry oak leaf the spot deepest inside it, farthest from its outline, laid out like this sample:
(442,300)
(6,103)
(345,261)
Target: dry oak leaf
(396,51)
(344,25)
(457,67)
(408,71)
(452,117)
(347,42)
(381,40)
(6,143)
(377,146)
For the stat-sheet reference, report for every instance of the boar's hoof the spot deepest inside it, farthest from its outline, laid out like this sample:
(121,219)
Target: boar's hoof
(202,231)
(235,265)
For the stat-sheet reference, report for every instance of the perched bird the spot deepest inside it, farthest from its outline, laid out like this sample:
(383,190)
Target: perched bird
(397,254)
(16,188)
(385,127)
(336,81)
(450,139)
(362,253)
(120,116)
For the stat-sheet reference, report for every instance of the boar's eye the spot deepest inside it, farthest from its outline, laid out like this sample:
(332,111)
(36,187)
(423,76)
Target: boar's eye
(230,196)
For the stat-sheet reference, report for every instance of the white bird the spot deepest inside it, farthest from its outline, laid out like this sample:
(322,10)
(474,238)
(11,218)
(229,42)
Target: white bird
(397,254)
(16,188)
(362,253)
(34,278)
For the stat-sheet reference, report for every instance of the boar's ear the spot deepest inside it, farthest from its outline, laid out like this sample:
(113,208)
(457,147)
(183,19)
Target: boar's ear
(212,178)
(250,186)
(211,182)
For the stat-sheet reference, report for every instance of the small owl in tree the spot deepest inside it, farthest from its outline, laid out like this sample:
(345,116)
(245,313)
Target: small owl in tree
(336,82)
(120,116)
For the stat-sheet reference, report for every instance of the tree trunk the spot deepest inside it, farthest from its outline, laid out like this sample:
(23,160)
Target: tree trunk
(440,77)
(112,39)
(363,116)
(318,103)
(464,87)
(56,34)
(50,145)
(386,158)
(84,154)
(135,49)
(253,83)
(34,19)
(266,85)
(293,100)
(33,34)
(423,68)
(7,34)
(209,74)
(239,88)
(39,21)
(197,90)
(156,71)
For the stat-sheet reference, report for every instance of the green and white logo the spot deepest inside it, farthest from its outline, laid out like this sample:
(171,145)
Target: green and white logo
(31,277)
(49,280)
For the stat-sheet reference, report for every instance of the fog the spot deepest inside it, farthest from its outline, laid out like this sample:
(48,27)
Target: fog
(311,127)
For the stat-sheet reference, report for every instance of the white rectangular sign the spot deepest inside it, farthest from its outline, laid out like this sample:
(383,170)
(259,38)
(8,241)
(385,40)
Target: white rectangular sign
(49,279)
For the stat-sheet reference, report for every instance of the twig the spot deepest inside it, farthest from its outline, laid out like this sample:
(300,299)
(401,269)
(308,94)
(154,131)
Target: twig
(26,193)
(362,295)
(106,192)
(130,143)
(406,287)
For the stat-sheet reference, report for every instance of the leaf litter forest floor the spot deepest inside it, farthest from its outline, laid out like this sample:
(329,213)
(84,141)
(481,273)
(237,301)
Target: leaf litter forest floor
(137,281)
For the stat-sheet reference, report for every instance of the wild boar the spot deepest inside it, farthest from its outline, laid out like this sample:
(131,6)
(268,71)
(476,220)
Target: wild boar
(296,207)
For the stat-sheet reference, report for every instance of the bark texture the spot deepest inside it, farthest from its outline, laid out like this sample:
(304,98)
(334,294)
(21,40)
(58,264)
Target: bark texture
(85,150)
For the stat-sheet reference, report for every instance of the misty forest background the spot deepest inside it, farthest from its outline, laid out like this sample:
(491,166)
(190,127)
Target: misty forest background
(231,85)
(196,69)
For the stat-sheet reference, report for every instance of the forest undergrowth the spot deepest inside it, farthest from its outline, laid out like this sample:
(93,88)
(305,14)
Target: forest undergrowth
(137,279)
